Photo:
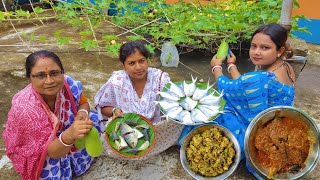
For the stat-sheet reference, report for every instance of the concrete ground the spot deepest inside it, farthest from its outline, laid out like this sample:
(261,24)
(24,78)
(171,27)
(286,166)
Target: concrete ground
(94,70)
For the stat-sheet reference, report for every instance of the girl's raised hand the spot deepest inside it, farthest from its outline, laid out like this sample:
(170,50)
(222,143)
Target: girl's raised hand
(231,58)
(215,61)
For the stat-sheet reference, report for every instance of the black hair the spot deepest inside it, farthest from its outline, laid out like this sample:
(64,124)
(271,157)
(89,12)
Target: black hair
(34,57)
(130,47)
(276,32)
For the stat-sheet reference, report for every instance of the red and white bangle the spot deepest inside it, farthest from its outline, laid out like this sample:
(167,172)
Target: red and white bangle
(230,65)
(60,139)
(216,66)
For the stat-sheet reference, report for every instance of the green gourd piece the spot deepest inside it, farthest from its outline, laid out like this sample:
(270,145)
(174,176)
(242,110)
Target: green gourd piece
(93,144)
(80,143)
(222,50)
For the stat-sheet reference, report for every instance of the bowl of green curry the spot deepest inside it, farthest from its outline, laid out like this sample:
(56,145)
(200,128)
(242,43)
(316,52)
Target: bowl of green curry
(210,152)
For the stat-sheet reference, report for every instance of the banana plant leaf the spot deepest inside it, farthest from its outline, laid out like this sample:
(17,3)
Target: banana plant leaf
(139,120)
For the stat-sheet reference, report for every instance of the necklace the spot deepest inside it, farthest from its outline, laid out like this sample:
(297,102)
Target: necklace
(260,67)
(278,66)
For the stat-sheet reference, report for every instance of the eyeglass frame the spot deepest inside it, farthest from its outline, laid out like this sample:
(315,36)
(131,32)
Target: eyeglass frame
(43,75)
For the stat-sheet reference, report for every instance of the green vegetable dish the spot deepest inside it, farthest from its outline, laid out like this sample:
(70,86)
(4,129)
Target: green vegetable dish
(131,136)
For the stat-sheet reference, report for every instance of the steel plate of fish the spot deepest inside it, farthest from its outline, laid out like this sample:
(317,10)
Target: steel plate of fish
(190,103)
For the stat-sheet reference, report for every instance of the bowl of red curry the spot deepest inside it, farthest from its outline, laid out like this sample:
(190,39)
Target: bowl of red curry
(282,142)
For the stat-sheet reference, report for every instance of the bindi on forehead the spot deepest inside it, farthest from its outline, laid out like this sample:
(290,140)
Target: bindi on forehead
(42,56)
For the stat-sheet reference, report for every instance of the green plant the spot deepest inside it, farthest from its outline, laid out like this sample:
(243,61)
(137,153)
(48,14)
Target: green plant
(184,24)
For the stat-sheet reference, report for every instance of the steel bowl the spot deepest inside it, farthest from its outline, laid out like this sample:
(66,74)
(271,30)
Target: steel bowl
(201,129)
(264,117)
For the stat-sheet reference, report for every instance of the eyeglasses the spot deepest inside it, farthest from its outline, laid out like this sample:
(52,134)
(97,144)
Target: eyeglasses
(43,75)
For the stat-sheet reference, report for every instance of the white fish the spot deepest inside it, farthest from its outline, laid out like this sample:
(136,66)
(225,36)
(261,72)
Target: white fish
(200,93)
(117,145)
(185,117)
(144,146)
(209,111)
(211,99)
(123,143)
(169,95)
(125,129)
(198,116)
(176,89)
(166,104)
(190,88)
(173,112)
(117,127)
(131,139)
(137,133)
(188,103)
(144,126)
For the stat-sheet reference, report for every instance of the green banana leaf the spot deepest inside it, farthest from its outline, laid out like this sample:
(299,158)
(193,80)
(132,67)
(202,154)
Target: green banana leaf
(136,118)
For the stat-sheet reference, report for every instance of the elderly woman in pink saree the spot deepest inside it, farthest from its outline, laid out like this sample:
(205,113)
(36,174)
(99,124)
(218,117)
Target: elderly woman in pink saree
(134,89)
(45,119)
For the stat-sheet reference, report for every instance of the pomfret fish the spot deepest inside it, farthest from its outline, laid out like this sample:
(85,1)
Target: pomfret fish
(166,104)
(198,116)
(209,111)
(185,117)
(176,89)
(190,88)
(188,103)
(173,112)
(200,93)
(211,99)
(169,95)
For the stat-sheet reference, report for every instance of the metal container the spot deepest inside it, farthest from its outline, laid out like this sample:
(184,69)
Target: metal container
(264,117)
(201,129)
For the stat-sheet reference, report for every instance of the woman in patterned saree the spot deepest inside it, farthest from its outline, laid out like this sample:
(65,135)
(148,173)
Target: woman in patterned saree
(248,94)
(134,89)
(45,119)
